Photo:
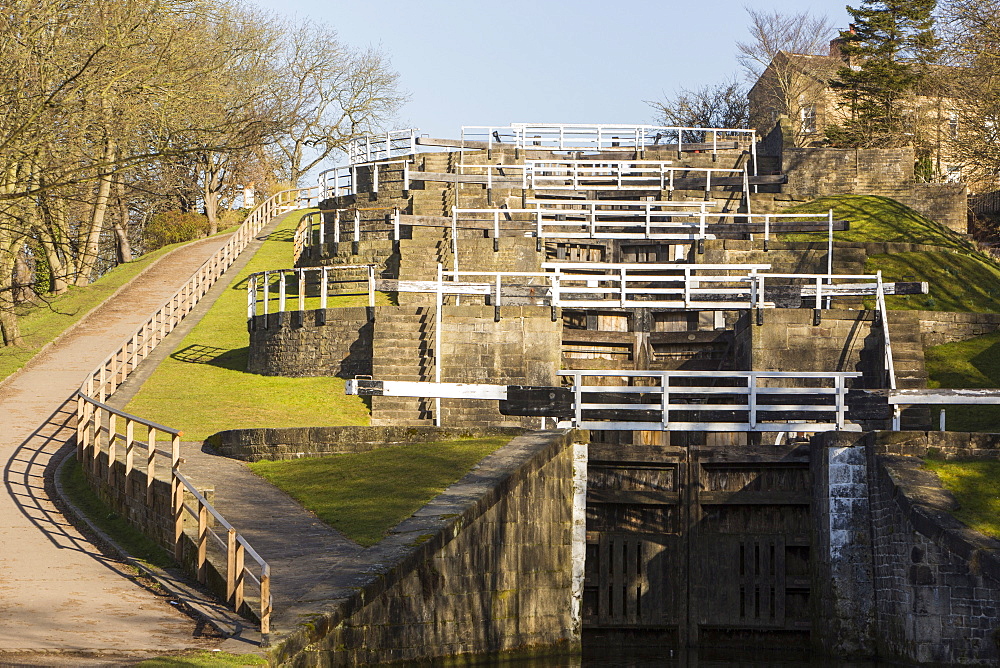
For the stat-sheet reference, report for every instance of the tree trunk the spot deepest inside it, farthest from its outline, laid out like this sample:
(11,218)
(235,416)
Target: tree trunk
(123,246)
(10,333)
(98,214)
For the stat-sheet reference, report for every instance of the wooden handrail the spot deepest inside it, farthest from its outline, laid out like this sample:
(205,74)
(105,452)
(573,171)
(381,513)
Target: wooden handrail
(105,379)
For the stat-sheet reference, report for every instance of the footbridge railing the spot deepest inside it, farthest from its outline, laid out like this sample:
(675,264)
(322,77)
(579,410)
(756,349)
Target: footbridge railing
(579,285)
(98,435)
(604,137)
(382,146)
(731,401)
(343,179)
(602,175)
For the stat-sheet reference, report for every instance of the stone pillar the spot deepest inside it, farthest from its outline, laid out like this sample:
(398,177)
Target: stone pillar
(843,575)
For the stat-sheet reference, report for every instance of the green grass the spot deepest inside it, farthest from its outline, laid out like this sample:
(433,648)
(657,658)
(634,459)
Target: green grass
(204,659)
(964,283)
(203,387)
(133,541)
(976,486)
(42,323)
(878,219)
(364,495)
(973,363)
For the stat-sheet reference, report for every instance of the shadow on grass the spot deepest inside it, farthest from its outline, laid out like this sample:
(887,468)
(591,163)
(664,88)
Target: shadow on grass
(234,359)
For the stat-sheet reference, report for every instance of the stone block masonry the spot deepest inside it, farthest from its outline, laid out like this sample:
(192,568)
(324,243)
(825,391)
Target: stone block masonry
(324,342)
(485,567)
(901,577)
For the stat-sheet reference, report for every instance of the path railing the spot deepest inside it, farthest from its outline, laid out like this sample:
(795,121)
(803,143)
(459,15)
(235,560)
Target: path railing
(382,146)
(739,401)
(348,224)
(105,379)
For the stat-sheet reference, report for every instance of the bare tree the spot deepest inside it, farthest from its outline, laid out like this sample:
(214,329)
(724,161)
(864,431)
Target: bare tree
(337,93)
(782,81)
(722,105)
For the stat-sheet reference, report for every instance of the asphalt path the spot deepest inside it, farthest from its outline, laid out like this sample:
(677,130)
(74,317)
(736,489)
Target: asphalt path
(62,601)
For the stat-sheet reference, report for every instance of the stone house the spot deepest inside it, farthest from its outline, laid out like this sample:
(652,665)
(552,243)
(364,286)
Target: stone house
(799,86)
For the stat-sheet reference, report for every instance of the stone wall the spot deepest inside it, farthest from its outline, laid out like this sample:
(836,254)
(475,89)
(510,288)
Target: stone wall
(900,577)
(487,566)
(816,172)
(939,327)
(789,341)
(324,342)
(523,348)
(253,445)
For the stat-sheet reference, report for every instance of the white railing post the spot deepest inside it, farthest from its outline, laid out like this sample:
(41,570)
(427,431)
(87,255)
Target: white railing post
(323,287)
(395,224)
(357,225)
(302,288)
(282,292)
(371,286)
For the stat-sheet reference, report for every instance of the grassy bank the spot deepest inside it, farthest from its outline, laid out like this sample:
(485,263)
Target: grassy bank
(960,278)
(878,219)
(203,387)
(976,486)
(973,363)
(43,322)
(364,495)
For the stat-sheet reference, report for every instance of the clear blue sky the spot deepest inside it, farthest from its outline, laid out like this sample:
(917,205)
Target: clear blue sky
(544,61)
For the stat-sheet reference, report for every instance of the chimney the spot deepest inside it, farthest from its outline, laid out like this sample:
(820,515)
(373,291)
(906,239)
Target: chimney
(836,43)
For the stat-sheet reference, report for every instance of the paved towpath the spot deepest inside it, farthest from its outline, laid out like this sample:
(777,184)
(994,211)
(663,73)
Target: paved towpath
(58,593)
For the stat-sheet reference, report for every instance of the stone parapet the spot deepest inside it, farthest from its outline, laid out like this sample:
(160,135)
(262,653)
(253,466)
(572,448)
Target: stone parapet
(487,566)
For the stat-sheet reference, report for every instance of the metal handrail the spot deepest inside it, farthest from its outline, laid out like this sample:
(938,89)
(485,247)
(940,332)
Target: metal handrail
(382,146)
(679,393)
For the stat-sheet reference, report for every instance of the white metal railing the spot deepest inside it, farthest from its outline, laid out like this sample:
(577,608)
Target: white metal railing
(603,137)
(703,287)
(343,180)
(382,146)
(347,224)
(740,401)
(93,413)
(601,174)
(281,290)
(595,219)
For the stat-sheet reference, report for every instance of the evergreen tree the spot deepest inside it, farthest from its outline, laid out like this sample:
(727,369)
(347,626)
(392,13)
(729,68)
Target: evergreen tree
(887,51)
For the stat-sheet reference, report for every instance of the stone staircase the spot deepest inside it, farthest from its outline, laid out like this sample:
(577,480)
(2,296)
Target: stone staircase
(404,350)
(419,257)
(908,360)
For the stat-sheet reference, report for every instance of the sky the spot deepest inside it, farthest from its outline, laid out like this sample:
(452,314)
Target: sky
(544,61)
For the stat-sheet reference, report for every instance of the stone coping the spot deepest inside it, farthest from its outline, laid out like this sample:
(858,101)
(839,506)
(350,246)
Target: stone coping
(928,507)
(253,445)
(341,592)
(945,444)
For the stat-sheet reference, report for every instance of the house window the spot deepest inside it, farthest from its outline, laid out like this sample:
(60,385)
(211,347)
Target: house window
(807,118)
(953,125)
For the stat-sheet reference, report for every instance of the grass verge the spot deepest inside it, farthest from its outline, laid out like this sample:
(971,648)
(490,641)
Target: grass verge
(878,219)
(973,363)
(976,485)
(133,541)
(42,323)
(203,659)
(363,495)
(203,387)
(963,283)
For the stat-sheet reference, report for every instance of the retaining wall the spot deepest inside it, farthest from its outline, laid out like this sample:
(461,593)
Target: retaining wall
(489,565)
(323,342)
(251,445)
(904,579)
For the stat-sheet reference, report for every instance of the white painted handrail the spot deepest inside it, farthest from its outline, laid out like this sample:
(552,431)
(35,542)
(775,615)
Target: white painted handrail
(382,146)
(740,401)
(343,179)
(281,290)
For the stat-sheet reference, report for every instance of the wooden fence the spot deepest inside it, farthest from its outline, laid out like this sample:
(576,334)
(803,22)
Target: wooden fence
(99,439)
